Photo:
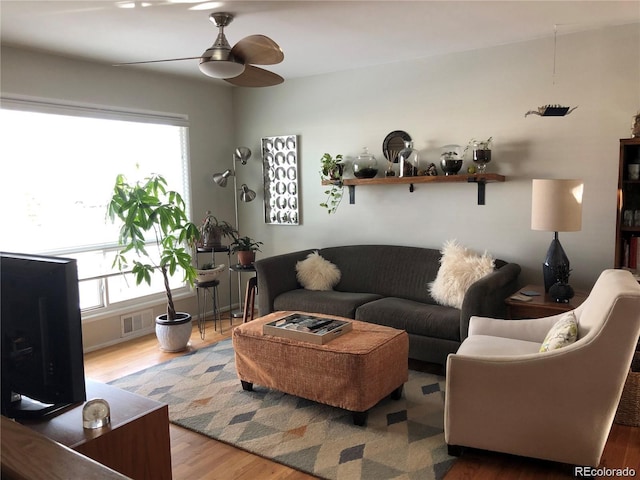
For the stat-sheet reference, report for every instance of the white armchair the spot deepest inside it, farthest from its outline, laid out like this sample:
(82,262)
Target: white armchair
(505,396)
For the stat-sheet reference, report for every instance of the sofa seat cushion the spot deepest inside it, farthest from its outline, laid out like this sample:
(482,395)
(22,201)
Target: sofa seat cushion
(486,345)
(329,302)
(415,317)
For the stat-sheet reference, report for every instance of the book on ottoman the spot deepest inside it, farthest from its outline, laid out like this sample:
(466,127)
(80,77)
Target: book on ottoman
(307,328)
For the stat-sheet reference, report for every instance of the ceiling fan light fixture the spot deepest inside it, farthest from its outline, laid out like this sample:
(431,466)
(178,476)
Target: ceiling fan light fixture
(234,65)
(221,68)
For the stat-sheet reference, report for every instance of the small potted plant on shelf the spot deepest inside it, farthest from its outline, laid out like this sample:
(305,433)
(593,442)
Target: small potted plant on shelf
(148,210)
(332,170)
(246,249)
(481,153)
(212,230)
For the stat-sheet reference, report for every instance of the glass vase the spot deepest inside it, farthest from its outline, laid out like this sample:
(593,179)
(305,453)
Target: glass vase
(481,156)
(366,165)
(409,160)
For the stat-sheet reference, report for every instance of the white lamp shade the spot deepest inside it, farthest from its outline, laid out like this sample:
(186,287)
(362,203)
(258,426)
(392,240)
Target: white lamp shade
(221,68)
(556,205)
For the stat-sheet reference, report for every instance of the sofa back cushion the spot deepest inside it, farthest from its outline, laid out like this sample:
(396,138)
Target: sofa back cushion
(388,270)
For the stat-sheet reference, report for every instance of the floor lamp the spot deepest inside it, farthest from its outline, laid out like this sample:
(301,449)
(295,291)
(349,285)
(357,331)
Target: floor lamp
(556,206)
(242,155)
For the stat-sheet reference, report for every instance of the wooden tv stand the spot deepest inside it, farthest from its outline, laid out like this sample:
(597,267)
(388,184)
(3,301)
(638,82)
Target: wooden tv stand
(137,442)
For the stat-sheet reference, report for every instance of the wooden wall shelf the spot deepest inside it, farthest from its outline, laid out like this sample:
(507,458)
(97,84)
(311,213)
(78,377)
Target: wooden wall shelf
(480,179)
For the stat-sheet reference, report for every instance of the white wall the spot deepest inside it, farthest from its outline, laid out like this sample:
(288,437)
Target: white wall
(451,99)
(437,101)
(207,104)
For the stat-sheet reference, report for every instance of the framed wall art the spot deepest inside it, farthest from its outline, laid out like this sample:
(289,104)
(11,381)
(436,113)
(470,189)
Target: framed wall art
(280,172)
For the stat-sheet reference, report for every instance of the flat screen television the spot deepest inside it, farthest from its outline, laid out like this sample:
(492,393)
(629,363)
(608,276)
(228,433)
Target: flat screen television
(42,356)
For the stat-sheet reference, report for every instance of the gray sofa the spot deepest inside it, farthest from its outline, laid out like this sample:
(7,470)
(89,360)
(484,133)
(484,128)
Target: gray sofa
(388,285)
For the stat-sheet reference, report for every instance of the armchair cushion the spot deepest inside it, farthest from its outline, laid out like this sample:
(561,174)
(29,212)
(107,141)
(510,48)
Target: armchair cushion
(459,269)
(317,273)
(490,347)
(564,332)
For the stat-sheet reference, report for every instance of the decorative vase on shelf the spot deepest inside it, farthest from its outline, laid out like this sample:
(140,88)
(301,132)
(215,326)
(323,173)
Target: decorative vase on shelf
(366,165)
(409,160)
(451,159)
(335,174)
(481,155)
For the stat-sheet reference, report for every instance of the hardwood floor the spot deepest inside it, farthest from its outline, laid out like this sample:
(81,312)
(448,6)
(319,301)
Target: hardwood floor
(195,456)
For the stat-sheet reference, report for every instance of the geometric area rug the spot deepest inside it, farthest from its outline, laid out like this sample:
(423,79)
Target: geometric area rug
(402,439)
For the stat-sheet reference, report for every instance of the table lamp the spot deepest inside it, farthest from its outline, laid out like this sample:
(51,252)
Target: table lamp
(556,206)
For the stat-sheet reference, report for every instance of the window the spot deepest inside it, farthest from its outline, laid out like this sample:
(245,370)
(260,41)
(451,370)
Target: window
(59,165)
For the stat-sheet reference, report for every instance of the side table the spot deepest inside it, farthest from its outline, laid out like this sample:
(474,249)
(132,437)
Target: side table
(240,269)
(214,288)
(206,289)
(541,305)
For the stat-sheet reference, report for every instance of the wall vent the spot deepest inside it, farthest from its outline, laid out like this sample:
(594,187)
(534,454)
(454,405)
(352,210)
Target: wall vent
(136,323)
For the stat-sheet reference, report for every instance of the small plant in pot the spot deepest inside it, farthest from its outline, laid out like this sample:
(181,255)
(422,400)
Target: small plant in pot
(212,230)
(246,248)
(148,207)
(481,153)
(561,291)
(332,170)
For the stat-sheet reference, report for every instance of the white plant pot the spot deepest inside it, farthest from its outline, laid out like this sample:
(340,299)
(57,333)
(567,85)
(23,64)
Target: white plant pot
(210,275)
(174,336)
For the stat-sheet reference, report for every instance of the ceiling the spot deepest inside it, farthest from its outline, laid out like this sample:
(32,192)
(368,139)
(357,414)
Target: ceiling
(316,36)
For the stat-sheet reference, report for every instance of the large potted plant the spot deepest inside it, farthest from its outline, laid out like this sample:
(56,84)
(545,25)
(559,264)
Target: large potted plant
(147,209)
(246,249)
(212,230)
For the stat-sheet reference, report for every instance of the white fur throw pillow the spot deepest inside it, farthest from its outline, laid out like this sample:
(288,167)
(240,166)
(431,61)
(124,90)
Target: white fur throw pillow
(317,273)
(459,269)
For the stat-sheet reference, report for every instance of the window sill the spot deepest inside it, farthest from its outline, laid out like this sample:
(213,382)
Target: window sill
(129,306)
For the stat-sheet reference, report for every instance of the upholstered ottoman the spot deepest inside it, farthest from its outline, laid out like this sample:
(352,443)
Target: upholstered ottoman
(354,371)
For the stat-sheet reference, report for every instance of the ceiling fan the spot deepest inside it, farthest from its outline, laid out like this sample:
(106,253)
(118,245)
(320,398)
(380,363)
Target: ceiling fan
(234,65)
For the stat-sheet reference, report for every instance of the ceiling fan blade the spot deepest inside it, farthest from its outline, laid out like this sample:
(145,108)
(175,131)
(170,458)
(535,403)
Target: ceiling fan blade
(259,50)
(155,61)
(255,77)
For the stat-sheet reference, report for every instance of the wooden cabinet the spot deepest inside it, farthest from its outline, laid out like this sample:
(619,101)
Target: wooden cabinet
(53,461)
(627,252)
(136,444)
